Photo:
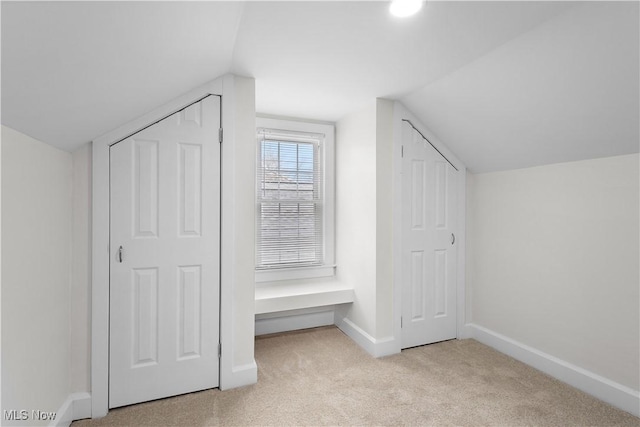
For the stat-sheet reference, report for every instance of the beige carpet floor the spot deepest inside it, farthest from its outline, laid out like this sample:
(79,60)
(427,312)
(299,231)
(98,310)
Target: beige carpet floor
(321,377)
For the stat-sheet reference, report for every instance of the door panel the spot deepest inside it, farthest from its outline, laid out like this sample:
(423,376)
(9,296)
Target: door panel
(165,239)
(428,249)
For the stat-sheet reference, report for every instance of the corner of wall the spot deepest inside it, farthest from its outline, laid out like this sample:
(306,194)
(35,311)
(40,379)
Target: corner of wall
(80,288)
(384,218)
(238,366)
(240,376)
(77,406)
(36,215)
(375,347)
(356,234)
(469,252)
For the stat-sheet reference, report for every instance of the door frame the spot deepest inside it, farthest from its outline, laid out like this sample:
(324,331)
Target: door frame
(400,112)
(100,242)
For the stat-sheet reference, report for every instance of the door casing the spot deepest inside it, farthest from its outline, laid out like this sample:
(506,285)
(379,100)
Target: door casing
(400,112)
(230,375)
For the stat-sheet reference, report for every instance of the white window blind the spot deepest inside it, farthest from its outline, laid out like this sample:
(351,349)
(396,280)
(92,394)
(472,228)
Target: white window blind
(289,216)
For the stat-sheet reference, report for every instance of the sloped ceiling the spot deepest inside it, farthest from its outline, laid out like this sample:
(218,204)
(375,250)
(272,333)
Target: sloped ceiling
(72,71)
(566,90)
(503,84)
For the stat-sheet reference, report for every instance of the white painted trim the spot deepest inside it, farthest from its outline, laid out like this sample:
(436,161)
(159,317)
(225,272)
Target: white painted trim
(401,112)
(376,348)
(241,376)
(262,276)
(227,236)
(81,406)
(231,376)
(294,322)
(396,218)
(75,407)
(461,237)
(100,241)
(466,331)
(602,388)
(283,297)
(64,414)
(328,163)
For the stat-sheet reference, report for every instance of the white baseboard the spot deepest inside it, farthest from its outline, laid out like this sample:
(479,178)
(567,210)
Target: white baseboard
(76,407)
(375,347)
(272,325)
(241,376)
(602,388)
(465,331)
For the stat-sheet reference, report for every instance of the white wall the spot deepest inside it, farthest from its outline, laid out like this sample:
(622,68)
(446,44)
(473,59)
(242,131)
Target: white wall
(80,315)
(554,261)
(364,228)
(356,212)
(238,180)
(384,219)
(36,241)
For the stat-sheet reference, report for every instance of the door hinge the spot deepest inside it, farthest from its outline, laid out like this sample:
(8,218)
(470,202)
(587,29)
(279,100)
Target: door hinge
(219,350)
(220,134)
(402,154)
(400,322)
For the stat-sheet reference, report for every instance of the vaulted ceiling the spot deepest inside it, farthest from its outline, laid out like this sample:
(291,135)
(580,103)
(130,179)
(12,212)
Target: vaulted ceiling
(503,84)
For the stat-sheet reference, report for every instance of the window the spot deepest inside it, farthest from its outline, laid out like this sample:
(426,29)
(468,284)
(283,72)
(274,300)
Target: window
(294,200)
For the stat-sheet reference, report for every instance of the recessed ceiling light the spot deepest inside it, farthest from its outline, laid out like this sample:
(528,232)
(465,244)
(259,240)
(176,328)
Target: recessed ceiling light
(403,8)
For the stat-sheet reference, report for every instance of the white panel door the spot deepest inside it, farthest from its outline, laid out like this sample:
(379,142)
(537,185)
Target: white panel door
(428,243)
(165,234)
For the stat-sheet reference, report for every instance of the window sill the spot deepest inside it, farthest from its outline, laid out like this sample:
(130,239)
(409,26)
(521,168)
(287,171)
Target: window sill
(283,297)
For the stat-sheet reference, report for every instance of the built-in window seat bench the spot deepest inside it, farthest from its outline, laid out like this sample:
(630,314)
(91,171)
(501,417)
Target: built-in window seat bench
(291,306)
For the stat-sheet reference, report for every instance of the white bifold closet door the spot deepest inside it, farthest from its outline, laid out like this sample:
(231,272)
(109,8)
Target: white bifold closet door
(429,190)
(164,257)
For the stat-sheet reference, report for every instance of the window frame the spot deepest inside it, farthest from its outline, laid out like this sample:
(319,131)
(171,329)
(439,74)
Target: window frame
(327,164)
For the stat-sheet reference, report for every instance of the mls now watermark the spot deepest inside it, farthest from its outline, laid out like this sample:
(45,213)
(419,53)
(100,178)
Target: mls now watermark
(24,415)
